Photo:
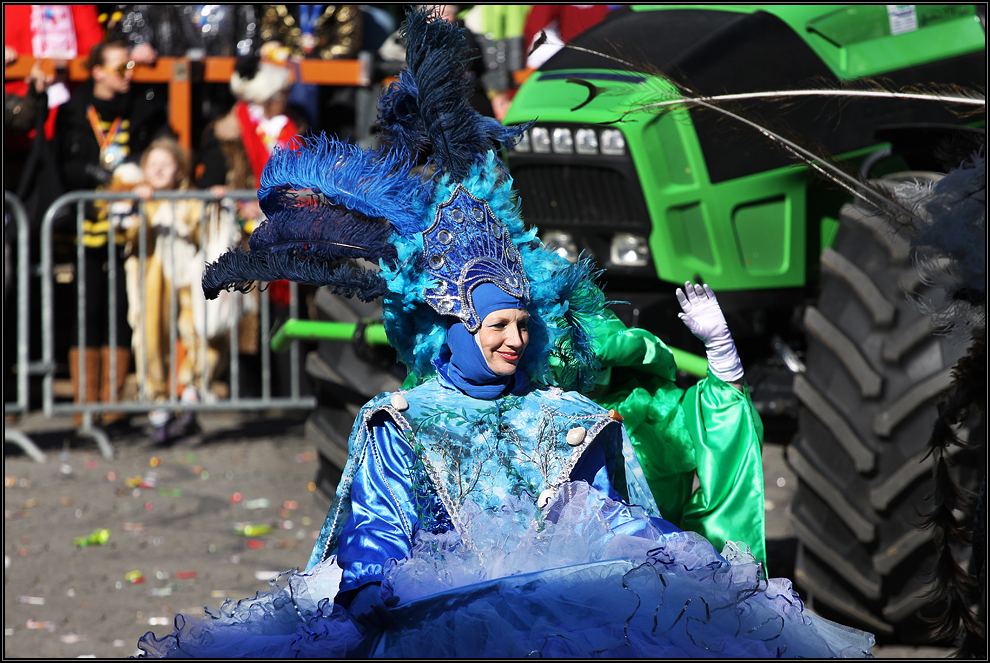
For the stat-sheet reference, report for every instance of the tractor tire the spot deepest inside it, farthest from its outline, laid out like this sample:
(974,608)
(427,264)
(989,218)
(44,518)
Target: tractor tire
(874,371)
(345,375)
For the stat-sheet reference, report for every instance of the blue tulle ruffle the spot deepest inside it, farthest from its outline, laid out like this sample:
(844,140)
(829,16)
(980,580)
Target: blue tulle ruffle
(556,582)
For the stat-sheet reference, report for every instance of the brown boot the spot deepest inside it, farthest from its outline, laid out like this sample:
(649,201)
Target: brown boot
(123,366)
(91,358)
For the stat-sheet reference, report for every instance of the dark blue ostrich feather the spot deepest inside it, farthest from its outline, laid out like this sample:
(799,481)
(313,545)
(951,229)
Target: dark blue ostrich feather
(238,270)
(428,106)
(303,242)
(325,232)
(377,184)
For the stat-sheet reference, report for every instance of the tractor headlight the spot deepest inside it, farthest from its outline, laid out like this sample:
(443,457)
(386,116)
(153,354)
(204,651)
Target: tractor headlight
(563,141)
(586,141)
(613,142)
(523,144)
(629,250)
(540,137)
(562,244)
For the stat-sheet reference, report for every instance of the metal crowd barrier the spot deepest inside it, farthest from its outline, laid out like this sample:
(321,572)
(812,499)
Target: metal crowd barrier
(20,406)
(235,401)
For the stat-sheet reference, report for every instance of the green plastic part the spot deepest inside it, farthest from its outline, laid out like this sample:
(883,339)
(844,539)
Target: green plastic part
(690,363)
(321,330)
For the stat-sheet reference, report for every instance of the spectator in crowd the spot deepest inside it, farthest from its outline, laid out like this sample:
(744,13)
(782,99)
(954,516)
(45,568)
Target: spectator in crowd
(174,260)
(324,32)
(318,31)
(103,124)
(53,32)
(20,111)
(378,22)
(561,23)
(20,115)
(235,148)
(499,32)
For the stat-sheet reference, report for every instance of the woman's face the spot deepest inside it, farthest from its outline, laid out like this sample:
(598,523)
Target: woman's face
(160,169)
(503,336)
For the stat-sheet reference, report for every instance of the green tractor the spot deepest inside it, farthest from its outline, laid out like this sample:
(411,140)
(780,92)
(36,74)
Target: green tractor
(817,289)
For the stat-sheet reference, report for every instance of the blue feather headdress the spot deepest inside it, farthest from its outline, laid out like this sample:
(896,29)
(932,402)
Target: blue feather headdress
(328,203)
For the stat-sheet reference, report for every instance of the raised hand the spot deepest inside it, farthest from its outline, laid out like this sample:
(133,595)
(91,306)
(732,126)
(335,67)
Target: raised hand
(703,316)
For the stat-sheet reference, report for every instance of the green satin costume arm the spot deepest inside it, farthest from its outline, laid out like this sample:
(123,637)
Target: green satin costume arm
(711,428)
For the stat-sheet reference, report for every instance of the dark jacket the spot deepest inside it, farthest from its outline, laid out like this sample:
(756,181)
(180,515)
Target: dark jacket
(76,144)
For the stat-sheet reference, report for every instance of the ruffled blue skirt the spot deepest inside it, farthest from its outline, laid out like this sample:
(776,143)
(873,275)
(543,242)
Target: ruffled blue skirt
(562,582)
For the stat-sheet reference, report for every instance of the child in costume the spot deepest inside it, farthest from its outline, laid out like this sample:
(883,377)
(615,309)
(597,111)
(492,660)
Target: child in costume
(173,263)
(491,511)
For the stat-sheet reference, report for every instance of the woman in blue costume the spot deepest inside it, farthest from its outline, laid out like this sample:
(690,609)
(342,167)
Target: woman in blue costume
(492,510)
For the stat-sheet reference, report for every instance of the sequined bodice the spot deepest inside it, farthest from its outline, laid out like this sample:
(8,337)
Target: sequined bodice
(486,451)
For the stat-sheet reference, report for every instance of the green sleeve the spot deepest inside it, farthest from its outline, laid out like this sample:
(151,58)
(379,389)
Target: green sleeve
(729,503)
(711,429)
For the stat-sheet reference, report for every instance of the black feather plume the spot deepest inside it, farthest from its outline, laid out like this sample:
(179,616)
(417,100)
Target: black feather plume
(239,270)
(428,108)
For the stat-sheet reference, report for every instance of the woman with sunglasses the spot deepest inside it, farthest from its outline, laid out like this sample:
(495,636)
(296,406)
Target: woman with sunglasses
(104,123)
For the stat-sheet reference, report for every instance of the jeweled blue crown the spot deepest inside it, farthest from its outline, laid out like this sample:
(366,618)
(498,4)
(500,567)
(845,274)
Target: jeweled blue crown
(464,247)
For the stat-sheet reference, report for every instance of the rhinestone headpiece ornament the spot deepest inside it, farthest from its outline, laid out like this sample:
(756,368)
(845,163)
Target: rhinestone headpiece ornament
(464,247)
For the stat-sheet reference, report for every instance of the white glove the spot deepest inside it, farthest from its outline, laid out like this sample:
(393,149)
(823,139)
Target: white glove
(704,318)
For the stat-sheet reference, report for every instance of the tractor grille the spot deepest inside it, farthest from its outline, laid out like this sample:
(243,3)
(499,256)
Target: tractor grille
(578,196)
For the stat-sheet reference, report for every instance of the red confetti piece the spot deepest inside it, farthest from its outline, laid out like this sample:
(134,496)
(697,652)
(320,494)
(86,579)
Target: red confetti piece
(235,498)
(185,574)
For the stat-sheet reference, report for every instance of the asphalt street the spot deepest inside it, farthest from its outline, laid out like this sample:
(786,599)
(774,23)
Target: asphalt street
(188,527)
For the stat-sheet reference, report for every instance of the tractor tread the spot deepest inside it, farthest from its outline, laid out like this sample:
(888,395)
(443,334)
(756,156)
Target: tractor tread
(865,530)
(908,605)
(881,496)
(880,307)
(898,247)
(870,382)
(820,589)
(903,341)
(319,369)
(862,456)
(911,280)
(875,365)
(869,587)
(885,561)
(326,446)
(889,417)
